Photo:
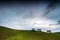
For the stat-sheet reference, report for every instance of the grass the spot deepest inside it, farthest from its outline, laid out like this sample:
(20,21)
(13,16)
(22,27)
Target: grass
(10,34)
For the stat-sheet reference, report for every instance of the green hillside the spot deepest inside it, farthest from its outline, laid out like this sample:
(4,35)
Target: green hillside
(10,34)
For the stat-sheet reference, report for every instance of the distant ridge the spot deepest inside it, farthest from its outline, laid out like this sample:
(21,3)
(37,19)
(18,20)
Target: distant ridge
(4,27)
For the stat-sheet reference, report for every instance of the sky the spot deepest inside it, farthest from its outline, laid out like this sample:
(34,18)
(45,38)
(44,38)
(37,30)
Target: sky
(25,16)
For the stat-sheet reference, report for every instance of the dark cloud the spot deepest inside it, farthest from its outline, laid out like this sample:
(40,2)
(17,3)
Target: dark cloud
(50,7)
(59,22)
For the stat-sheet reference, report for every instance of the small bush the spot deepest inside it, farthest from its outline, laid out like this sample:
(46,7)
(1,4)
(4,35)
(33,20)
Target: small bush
(38,29)
(49,31)
(33,29)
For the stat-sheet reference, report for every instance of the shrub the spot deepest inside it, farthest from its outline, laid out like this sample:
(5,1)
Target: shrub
(33,29)
(49,31)
(38,29)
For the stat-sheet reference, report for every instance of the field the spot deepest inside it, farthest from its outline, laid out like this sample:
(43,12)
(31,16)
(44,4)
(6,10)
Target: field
(11,34)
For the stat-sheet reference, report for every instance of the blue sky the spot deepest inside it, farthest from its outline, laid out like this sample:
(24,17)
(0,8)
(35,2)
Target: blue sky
(28,16)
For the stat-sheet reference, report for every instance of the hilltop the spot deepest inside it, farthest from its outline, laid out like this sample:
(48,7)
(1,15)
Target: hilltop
(11,34)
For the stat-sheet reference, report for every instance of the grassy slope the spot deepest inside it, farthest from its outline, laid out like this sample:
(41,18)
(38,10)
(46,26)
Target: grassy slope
(10,34)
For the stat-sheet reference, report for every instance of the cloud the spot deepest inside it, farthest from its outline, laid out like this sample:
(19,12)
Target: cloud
(27,17)
(29,23)
(51,6)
